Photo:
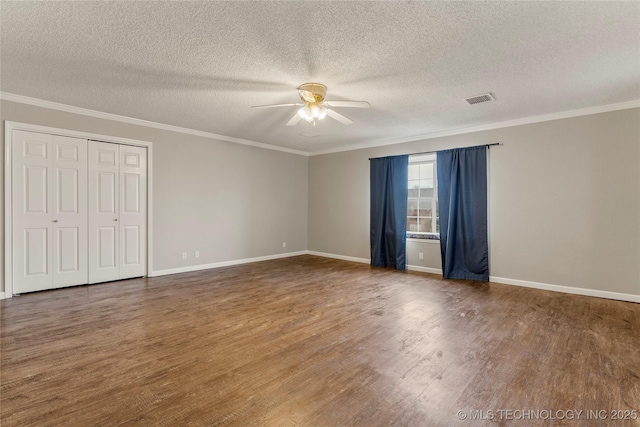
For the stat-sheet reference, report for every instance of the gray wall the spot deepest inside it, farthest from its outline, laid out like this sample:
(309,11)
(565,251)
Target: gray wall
(226,200)
(564,201)
(564,197)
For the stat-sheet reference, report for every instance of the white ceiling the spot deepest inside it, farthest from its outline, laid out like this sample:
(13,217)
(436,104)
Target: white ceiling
(202,65)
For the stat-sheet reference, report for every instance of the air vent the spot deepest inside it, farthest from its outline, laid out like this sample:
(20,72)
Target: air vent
(485,97)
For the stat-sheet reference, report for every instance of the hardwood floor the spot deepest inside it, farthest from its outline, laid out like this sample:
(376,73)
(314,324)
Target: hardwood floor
(309,341)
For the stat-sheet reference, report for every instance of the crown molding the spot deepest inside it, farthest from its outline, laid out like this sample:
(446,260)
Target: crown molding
(130,120)
(489,126)
(351,147)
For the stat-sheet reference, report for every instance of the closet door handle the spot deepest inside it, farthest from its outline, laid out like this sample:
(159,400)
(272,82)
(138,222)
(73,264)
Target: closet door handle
(55,220)
(116,219)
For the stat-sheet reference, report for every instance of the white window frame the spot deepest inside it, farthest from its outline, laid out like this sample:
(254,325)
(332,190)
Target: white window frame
(434,199)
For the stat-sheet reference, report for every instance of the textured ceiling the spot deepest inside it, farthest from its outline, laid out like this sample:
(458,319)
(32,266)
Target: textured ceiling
(202,65)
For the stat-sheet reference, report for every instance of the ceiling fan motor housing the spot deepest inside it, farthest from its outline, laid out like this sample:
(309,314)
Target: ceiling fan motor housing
(317,90)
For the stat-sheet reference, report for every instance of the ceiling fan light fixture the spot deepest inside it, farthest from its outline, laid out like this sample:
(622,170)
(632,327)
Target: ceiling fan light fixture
(314,106)
(312,112)
(305,112)
(315,111)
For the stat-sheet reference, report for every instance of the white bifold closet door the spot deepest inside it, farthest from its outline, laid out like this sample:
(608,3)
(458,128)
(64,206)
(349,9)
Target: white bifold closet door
(49,211)
(117,206)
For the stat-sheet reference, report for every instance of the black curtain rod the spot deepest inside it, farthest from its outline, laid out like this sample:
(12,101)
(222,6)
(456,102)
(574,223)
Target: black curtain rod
(431,152)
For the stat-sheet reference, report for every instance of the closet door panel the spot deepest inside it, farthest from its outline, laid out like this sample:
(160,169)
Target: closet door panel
(104,235)
(131,246)
(78,211)
(49,243)
(35,253)
(69,250)
(133,211)
(35,189)
(106,254)
(31,214)
(69,211)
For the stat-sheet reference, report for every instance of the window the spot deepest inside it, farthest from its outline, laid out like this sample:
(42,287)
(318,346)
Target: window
(422,203)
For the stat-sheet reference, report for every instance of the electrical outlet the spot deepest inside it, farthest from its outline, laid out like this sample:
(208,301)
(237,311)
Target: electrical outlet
(284,244)
(420,255)
(184,255)
(197,254)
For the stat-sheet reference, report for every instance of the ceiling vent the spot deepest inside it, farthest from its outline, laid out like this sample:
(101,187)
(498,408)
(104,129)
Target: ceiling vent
(485,97)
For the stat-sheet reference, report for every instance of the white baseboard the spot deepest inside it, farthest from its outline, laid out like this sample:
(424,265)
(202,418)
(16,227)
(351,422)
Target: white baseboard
(515,282)
(223,264)
(535,285)
(368,261)
(567,289)
(341,257)
(424,269)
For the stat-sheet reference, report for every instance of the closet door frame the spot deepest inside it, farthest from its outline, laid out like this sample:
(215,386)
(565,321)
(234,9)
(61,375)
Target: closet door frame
(9,127)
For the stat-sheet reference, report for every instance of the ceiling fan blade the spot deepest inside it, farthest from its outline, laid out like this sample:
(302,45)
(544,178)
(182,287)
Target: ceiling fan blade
(352,104)
(294,120)
(339,117)
(274,105)
(307,95)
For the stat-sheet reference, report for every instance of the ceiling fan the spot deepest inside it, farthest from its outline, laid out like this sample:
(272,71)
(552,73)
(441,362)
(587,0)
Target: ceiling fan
(315,107)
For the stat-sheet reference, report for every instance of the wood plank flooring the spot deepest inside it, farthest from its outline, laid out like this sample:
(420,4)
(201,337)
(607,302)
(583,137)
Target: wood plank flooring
(309,341)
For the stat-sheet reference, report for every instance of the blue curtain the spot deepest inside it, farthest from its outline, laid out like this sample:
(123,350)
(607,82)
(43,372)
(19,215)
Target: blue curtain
(462,199)
(389,188)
